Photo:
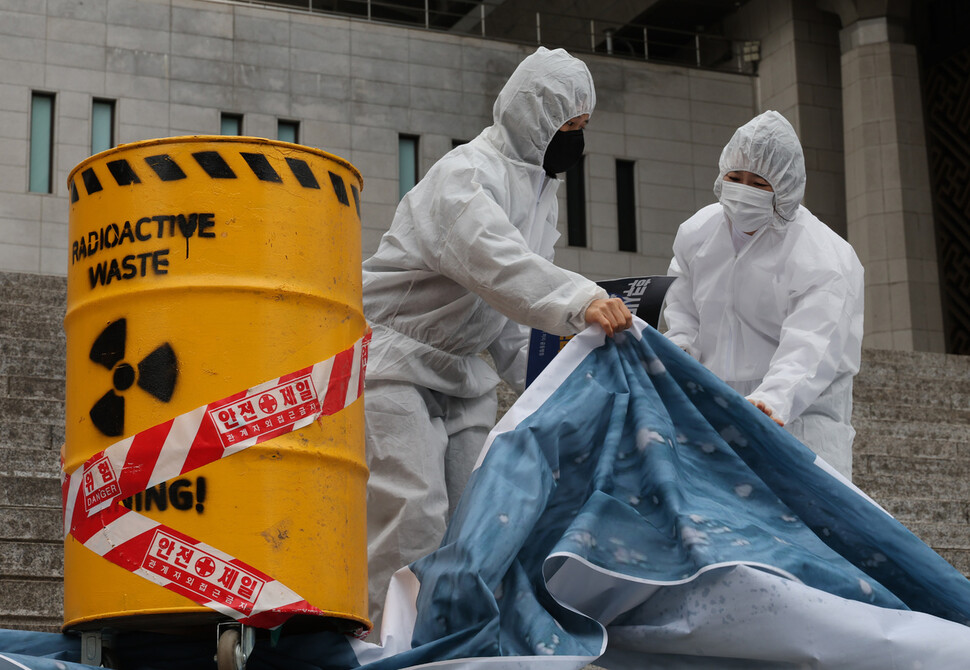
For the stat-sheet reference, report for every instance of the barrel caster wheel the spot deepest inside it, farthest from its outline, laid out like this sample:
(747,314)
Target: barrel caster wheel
(235,643)
(109,659)
(97,649)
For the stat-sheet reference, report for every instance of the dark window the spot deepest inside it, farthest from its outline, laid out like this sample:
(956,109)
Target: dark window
(288,131)
(102,125)
(231,124)
(407,157)
(41,142)
(626,205)
(576,204)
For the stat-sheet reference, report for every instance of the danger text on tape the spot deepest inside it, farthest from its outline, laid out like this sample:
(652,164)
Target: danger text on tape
(206,575)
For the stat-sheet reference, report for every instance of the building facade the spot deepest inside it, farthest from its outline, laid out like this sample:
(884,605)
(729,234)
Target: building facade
(391,97)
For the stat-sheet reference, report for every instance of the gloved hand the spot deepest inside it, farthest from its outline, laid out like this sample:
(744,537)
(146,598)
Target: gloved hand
(610,313)
(763,406)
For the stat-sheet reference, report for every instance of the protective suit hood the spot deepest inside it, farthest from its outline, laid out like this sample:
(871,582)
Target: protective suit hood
(468,257)
(768,146)
(547,89)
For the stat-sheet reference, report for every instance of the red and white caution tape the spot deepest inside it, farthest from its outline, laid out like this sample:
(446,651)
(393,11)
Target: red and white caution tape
(200,572)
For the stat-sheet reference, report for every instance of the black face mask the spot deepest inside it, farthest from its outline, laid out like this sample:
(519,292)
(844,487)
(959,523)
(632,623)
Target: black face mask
(564,151)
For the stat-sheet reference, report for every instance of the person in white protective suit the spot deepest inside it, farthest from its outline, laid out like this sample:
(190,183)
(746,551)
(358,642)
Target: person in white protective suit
(467,259)
(768,297)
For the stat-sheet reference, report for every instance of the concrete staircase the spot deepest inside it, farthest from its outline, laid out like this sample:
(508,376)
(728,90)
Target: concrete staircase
(32,351)
(912,450)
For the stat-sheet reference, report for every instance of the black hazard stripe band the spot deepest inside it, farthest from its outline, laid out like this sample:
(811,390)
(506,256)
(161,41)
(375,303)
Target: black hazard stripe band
(216,167)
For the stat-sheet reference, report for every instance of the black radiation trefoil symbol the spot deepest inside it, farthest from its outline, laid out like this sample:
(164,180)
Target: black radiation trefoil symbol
(156,375)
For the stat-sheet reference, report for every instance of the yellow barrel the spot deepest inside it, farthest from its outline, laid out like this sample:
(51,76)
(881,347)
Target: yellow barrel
(200,267)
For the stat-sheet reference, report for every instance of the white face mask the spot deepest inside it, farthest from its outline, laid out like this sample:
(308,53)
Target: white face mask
(746,207)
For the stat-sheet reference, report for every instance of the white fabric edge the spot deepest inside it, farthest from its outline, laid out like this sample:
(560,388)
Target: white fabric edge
(13,662)
(822,464)
(569,582)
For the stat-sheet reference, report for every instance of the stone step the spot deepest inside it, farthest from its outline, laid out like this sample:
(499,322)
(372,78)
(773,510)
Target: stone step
(33,289)
(944,393)
(37,319)
(927,382)
(25,346)
(869,443)
(30,492)
(891,487)
(34,601)
(928,510)
(946,472)
(919,429)
(47,624)
(891,365)
(21,280)
(32,559)
(913,413)
(32,387)
(20,435)
(29,461)
(52,367)
(934,368)
(943,536)
(37,410)
(24,290)
(39,524)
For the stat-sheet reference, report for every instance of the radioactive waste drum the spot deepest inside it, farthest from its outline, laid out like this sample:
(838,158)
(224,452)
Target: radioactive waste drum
(214,456)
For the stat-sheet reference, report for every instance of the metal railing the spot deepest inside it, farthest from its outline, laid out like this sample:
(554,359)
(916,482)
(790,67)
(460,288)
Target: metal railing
(575,33)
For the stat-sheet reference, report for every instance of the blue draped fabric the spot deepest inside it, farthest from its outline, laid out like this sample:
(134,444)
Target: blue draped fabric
(633,505)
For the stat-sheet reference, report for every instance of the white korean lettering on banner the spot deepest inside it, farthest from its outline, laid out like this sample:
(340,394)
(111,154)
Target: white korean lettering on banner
(100,483)
(202,572)
(270,409)
(635,291)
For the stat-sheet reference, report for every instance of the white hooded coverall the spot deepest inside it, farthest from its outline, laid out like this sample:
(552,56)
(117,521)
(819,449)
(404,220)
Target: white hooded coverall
(780,320)
(468,257)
